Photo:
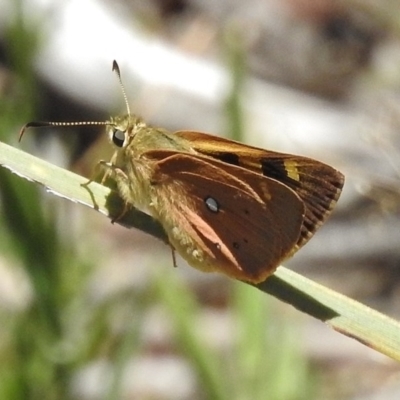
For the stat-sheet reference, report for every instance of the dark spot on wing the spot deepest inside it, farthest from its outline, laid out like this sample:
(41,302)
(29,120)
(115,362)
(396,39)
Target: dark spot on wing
(276,169)
(212,204)
(229,158)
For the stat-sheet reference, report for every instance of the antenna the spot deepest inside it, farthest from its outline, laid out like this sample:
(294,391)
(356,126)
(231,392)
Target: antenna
(40,124)
(116,69)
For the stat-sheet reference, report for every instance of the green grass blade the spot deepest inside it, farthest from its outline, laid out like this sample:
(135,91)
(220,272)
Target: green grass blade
(341,313)
(184,310)
(66,184)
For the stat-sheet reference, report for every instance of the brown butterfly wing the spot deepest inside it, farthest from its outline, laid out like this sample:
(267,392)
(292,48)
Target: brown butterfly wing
(317,184)
(224,218)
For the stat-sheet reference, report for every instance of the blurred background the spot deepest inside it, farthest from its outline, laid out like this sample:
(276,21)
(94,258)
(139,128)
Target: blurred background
(90,310)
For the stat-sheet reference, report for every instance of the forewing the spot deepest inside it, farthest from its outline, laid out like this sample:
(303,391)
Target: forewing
(221,217)
(317,184)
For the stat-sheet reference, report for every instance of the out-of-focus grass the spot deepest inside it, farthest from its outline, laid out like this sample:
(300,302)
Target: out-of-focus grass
(264,362)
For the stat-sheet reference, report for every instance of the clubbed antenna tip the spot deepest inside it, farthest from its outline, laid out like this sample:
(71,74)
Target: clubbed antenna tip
(116,69)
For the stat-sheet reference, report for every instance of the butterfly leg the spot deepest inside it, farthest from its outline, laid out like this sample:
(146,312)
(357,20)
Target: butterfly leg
(94,175)
(173,255)
(113,171)
(109,166)
(121,214)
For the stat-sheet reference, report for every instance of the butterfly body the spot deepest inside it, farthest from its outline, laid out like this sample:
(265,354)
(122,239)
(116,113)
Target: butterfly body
(218,214)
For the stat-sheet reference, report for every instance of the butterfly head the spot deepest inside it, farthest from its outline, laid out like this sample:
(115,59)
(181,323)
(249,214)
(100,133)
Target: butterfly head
(122,129)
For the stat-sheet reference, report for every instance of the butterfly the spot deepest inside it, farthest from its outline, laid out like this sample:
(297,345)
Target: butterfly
(225,206)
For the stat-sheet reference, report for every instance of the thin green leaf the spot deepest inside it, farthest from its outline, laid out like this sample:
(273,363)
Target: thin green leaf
(341,313)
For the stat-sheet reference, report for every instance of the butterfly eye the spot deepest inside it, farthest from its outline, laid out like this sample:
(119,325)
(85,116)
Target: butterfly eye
(118,137)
